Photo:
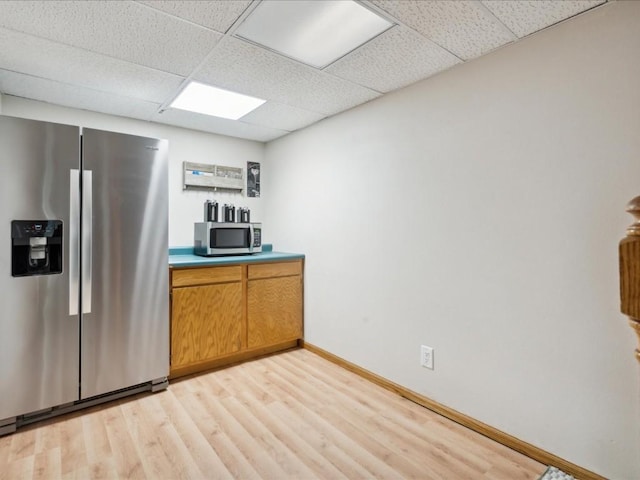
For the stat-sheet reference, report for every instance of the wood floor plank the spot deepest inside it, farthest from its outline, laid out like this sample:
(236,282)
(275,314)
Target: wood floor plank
(257,386)
(346,382)
(325,438)
(296,443)
(381,446)
(195,443)
(444,430)
(294,434)
(424,456)
(329,444)
(22,444)
(81,473)
(308,407)
(451,438)
(72,444)
(125,453)
(5,450)
(95,435)
(195,402)
(48,464)
(48,438)
(251,450)
(292,416)
(290,464)
(104,469)
(19,468)
(512,471)
(163,452)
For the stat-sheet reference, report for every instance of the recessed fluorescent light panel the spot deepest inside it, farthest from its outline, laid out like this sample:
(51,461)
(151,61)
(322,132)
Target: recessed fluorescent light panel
(315,32)
(201,98)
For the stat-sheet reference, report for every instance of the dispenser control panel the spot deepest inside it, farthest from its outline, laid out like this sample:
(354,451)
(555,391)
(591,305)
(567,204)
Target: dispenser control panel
(24,228)
(36,247)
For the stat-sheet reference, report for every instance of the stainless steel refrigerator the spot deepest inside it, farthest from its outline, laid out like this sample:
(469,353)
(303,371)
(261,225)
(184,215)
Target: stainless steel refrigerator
(84,289)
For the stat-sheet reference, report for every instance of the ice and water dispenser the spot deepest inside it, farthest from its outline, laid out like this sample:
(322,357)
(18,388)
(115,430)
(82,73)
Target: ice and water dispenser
(36,247)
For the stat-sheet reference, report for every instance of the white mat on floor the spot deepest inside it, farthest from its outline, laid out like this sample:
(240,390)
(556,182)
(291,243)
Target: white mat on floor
(554,473)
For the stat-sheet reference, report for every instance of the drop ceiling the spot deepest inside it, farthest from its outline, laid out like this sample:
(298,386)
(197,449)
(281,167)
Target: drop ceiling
(132,58)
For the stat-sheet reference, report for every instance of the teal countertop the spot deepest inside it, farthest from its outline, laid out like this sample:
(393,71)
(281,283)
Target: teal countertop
(184,257)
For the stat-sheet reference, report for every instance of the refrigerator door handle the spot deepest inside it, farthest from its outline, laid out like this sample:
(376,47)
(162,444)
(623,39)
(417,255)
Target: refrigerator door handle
(87,232)
(74,240)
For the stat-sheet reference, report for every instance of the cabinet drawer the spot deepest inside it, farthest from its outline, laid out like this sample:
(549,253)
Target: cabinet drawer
(205,275)
(269,270)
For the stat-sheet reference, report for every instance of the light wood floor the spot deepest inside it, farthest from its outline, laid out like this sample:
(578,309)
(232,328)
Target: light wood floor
(288,416)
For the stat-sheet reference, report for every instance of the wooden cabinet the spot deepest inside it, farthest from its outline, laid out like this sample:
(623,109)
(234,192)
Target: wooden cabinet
(223,314)
(206,314)
(274,303)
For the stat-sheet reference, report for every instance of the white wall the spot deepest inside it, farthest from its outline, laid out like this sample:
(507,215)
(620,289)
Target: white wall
(185,207)
(479,212)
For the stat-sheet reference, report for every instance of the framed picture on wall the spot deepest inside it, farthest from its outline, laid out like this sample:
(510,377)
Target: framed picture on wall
(253,179)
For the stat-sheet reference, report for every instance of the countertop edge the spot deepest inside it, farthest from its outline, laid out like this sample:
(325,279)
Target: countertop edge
(177,261)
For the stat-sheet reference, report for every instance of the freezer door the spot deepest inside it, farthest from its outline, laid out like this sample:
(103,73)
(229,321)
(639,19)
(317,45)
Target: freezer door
(39,338)
(125,285)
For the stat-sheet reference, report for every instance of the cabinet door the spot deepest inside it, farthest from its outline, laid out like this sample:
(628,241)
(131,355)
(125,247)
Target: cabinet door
(206,323)
(274,310)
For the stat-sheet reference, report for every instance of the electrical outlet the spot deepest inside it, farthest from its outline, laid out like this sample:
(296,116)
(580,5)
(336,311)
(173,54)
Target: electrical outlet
(426,356)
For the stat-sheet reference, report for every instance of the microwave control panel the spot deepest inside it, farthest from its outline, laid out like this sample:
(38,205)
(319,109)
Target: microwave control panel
(257,237)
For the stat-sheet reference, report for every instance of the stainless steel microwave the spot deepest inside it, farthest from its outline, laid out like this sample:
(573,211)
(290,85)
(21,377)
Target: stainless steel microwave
(225,238)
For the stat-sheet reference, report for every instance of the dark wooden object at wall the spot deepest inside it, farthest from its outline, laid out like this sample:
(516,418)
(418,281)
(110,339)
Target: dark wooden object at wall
(629,251)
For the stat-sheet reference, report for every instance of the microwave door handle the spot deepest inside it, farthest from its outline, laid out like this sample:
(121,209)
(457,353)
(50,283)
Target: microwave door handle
(251,239)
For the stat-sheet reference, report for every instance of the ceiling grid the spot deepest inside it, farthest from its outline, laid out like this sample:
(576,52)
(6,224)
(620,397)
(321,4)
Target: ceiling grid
(132,58)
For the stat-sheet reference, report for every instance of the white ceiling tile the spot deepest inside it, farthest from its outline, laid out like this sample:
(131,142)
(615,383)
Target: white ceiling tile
(222,126)
(525,17)
(49,91)
(463,27)
(216,15)
(282,117)
(129,57)
(245,68)
(46,59)
(395,59)
(126,30)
